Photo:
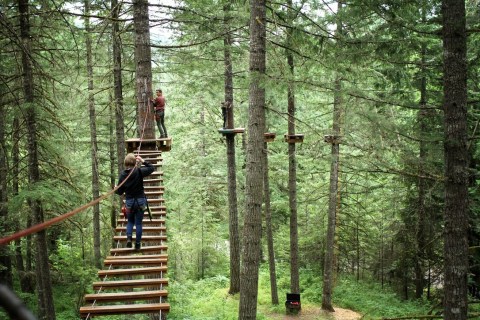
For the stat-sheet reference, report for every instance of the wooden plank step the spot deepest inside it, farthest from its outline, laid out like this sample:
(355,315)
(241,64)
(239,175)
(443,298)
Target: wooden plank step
(136,283)
(135,262)
(155,217)
(144,228)
(144,238)
(156,173)
(158,211)
(155,200)
(156,248)
(132,271)
(146,221)
(149,181)
(139,256)
(148,151)
(125,296)
(158,207)
(153,209)
(153,193)
(123,309)
(151,157)
(158,164)
(148,188)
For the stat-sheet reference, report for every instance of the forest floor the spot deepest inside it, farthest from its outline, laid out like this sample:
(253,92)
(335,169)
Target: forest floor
(315,313)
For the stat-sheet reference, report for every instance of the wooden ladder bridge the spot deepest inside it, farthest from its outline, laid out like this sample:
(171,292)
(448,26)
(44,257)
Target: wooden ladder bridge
(134,281)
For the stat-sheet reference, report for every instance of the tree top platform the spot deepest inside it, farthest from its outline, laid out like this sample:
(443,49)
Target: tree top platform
(226,131)
(293,138)
(332,139)
(269,136)
(162,144)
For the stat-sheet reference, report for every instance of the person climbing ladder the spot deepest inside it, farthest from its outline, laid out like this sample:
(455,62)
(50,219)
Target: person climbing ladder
(136,202)
(159,105)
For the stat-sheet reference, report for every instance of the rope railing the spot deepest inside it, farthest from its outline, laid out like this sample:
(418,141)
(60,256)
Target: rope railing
(48,223)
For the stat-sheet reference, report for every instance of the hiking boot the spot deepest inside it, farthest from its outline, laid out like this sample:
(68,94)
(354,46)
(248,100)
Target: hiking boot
(138,245)
(129,242)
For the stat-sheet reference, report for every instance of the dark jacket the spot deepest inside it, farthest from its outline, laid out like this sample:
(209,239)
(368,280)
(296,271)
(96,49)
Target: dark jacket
(133,187)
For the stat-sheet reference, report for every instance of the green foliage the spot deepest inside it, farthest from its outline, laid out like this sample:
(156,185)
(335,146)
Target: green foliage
(206,299)
(373,301)
(69,266)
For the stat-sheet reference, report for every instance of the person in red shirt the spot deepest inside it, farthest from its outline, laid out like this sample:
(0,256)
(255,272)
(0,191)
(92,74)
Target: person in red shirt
(159,105)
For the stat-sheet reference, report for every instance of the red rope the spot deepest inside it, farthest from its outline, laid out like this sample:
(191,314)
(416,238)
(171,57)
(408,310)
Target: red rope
(48,223)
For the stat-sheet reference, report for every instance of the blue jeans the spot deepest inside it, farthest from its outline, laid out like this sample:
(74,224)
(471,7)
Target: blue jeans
(135,211)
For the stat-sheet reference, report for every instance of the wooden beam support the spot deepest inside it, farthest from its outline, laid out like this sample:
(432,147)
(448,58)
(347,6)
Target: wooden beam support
(293,138)
(123,309)
(225,131)
(269,136)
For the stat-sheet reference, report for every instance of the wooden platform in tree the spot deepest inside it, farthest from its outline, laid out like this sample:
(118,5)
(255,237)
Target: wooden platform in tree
(162,144)
(293,138)
(332,139)
(269,136)
(226,131)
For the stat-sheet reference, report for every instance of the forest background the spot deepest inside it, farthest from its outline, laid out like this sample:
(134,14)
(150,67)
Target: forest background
(389,236)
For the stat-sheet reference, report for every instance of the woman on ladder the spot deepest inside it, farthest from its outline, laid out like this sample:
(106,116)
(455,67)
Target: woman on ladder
(136,202)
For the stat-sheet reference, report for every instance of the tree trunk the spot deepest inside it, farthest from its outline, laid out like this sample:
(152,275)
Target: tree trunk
(24,271)
(118,86)
(292,171)
(332,206)
(231,165)
(254,165)
(5,226)
(113,173)
(93,141)
(143,62)
(268,224)
(44,286)
(456,159)
(422,186)
(334,197)
(203,150)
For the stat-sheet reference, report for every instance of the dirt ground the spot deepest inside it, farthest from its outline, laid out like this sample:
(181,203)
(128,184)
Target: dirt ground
(318,314)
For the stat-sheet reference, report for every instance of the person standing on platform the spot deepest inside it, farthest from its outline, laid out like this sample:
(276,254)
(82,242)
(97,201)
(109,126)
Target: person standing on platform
(136,201)
(159,105)
(224,114)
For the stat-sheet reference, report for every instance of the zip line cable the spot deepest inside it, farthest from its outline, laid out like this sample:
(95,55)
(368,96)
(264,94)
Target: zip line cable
(41,226)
